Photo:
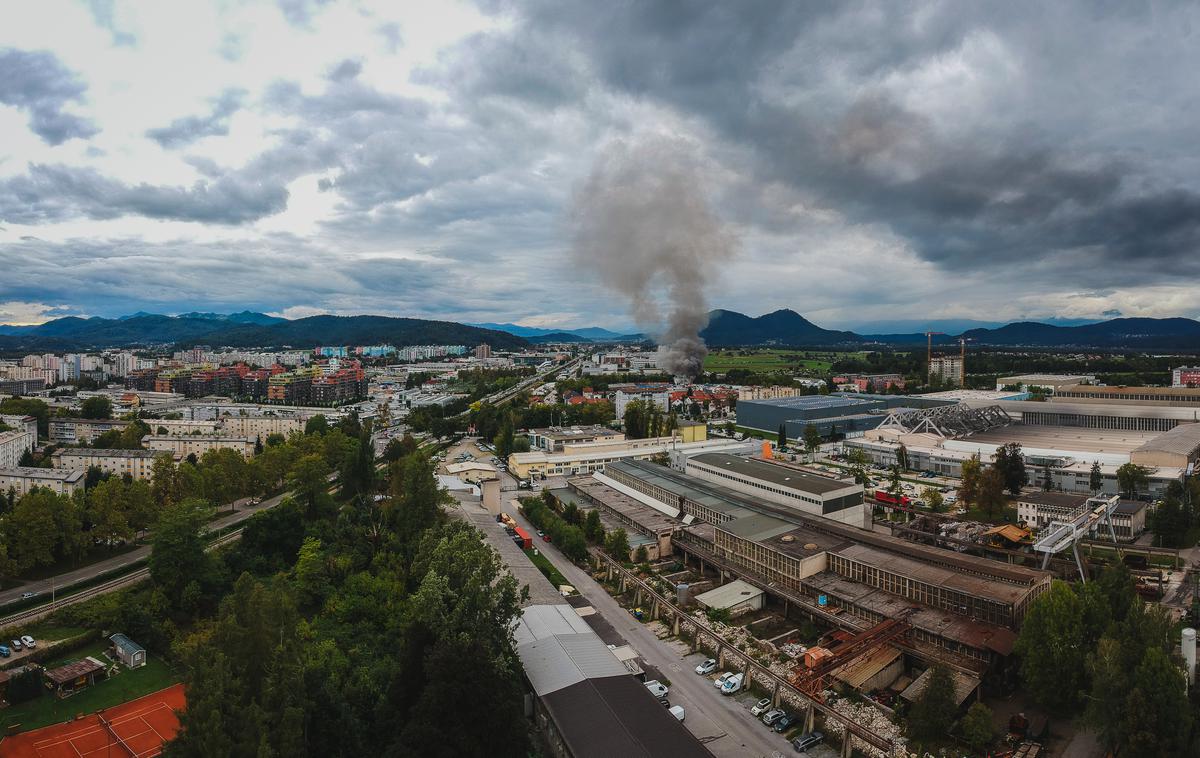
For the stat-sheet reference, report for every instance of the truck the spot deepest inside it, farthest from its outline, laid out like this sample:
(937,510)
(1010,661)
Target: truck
(522,538)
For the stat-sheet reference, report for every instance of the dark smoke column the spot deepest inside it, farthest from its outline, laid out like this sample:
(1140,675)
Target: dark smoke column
(643,224)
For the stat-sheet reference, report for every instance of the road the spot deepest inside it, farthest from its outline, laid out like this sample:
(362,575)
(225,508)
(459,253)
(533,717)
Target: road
(44,587)
(723,723)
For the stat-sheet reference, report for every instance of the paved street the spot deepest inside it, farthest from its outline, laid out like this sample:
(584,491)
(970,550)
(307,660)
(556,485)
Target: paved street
(723,723)
(44,586)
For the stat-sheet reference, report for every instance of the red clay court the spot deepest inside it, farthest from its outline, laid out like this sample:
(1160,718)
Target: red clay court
(136,729)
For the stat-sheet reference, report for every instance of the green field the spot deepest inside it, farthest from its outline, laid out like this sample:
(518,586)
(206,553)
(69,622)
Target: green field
(127,685)
(776,361)
(547,568)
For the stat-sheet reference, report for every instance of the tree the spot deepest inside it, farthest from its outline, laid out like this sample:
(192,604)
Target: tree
(1158,718)
(1009,460)
(902,457)
(617,545)
(972,473)
(309,479)
(781,437)
(397,448)
(177,556)
(592,528)
(641,555)
(98,406)
(812,439)
(977,727)
(858,466)
(933,498)
(505,437)
(1131,477)
(1047,477)
(1095,478)
(318,424)
(1052,649)
(991,492)
(108,510)
(895,485)
(932,714)
(28,406)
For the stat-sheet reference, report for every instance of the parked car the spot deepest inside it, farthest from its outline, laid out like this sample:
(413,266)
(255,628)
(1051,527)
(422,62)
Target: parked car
(770,717)
(29,642)
(677,711)
(28,595)
(785,722)
(5,651)
(805,741)
(706,668)
(761,707)
(657,688)
(732,685)
(720,680)
(15,644)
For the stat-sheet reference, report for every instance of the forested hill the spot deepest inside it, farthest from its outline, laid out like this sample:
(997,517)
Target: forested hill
(246,330)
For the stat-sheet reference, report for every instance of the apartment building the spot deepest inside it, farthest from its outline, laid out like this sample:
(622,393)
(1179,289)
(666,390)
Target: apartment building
(183,445)
(22,479)
(138,464)
(76,431)
(14,445)
(260,427)
(21,423)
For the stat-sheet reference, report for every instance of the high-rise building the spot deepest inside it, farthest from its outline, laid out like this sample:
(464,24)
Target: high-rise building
(483,352)
(946,368)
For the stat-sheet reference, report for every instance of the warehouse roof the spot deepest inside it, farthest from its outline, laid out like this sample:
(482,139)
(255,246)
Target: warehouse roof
(729,595)
(1182,440)
(809,402)
(558,648)
(782,476)
(1053,499)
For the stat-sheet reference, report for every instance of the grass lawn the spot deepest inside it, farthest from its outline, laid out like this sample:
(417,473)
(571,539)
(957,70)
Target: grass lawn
(1007,516)
(547,568)
(127,685)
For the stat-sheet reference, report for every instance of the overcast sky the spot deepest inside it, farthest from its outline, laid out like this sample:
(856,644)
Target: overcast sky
(873,160)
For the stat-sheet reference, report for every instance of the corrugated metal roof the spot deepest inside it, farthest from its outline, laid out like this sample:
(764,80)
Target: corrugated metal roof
(558,649)
(1182,440)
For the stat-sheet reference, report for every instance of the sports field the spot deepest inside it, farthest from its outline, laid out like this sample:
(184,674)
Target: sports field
(137,729)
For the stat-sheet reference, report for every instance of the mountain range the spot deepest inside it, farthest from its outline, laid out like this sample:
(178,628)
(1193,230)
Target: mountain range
(725,329)
(246,329)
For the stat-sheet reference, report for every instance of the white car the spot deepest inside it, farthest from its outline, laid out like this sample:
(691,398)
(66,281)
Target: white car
(732,685)
(761,707)
(720,681)
(706,668)
(677,712)
(29,642)
(15,645)
(657,688)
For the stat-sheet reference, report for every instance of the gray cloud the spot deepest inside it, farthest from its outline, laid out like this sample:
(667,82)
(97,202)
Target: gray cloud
(36,82)
(56,193)
(347,69)
(186,130)
(105,15)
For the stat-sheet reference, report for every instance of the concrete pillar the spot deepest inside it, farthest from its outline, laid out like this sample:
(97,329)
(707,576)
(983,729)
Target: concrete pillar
(810,712)
(847,741)
(622,583)
(654,609)
(720,655)
(775,699)
(675,625)
(637,596)
(695,640)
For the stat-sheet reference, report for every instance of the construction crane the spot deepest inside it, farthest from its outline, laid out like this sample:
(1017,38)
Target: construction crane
(962,361)
(819,662)
(929,353)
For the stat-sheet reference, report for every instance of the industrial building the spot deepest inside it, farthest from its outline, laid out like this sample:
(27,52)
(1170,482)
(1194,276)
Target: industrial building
(961,606)
(553,438)
(22,479)
(849,414)
(1185,397)
(586,703)
(1065,438)
(816,495)
(1038,509)
(138,464)
(1185,376)
(584,457)
(1050,382)
(736,597)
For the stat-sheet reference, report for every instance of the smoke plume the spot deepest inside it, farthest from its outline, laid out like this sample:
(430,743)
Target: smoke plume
(643,224)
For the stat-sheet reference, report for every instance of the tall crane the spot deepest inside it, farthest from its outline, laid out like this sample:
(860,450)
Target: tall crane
(929,354)
(962,361)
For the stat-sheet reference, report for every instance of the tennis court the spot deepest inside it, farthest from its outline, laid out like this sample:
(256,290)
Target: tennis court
(136,729)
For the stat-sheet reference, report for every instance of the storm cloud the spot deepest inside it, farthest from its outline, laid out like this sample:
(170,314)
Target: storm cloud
(996,162)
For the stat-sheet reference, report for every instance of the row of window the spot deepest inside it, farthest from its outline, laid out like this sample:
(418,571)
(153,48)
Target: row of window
(756,483)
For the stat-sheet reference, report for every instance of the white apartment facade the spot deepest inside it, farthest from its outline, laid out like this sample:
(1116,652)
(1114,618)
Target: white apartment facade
(14,445)
(183,445)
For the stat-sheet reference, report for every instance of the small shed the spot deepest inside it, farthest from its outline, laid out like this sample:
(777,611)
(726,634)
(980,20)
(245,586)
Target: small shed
(964,686)
(127,651)
(737,597)
(69,679)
